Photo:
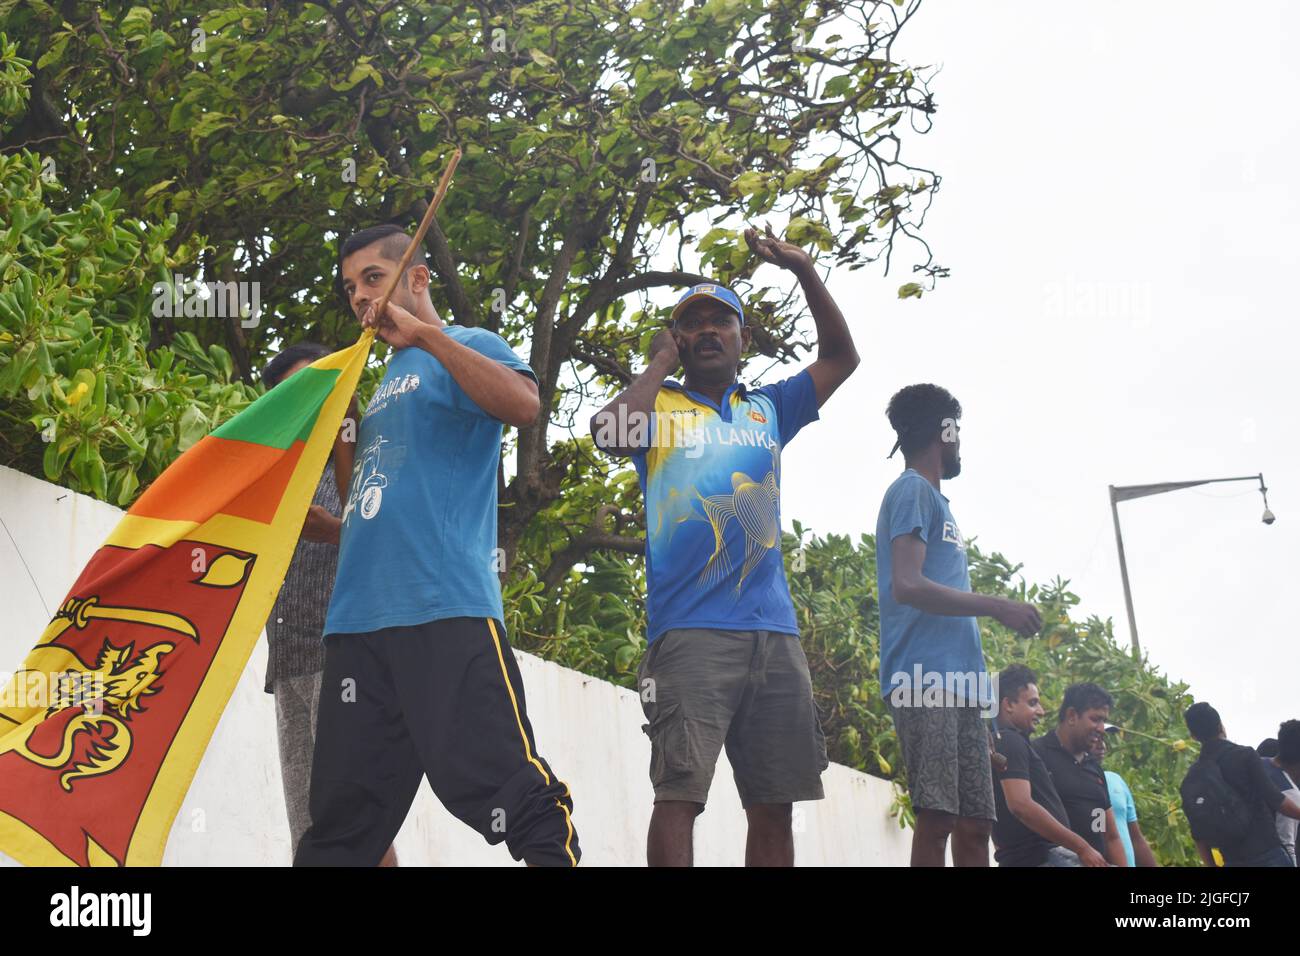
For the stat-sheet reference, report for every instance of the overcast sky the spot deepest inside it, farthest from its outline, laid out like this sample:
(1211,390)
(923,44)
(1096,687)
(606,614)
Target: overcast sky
(1118,209)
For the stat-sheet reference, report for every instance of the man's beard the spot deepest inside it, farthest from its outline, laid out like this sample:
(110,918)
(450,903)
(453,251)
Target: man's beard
(951,469)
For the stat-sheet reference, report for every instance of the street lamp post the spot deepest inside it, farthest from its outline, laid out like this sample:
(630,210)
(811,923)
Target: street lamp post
(1120,493)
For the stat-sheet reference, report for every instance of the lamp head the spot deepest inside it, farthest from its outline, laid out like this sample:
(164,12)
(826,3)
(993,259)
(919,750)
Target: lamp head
(1268,517)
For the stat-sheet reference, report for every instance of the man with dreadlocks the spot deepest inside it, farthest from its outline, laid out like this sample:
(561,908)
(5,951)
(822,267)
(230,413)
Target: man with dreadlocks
(931,659)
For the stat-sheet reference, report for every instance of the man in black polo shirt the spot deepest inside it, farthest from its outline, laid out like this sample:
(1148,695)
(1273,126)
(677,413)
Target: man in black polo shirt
(1075,772)
(1258,843)
(1032,828)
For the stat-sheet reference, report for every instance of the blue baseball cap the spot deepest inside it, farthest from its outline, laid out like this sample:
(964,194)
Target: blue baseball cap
(709,290)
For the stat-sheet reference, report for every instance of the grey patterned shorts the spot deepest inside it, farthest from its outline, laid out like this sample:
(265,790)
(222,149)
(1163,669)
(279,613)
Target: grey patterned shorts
(946,752)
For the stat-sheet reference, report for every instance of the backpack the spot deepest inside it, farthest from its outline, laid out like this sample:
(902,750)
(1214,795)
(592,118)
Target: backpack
(1217,813)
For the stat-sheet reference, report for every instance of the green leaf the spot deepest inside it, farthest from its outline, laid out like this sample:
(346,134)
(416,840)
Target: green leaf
(362,71)
(129,485)
(137,21)
(157,187)
(221,359)
(126,438)
(54,460)
(748,183)
(837,86)
(208,124)
(193,427)
(98,478)
(55,52)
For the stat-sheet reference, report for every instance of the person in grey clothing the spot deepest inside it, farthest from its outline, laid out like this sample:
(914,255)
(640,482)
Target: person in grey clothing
(295,629)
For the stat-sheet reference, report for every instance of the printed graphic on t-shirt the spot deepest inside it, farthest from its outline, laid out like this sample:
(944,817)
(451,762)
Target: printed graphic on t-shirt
(753,506)
(753,502)
(395,387)
(368,482)
(952,534)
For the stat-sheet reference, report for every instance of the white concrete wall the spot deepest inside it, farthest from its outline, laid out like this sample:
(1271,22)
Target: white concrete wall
(589,730)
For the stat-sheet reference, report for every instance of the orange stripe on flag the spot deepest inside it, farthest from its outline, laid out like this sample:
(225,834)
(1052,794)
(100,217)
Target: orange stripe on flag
(257,476)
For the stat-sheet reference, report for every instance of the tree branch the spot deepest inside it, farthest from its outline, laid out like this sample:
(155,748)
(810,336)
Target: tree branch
(594,538)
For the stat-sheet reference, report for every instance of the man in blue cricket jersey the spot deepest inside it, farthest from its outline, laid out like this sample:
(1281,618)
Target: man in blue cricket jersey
(419,679)
(724,666)
(931,659)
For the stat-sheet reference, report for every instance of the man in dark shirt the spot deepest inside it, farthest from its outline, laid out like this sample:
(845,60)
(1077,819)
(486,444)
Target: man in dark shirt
(1076,774)
(1032,828)
(1244,772)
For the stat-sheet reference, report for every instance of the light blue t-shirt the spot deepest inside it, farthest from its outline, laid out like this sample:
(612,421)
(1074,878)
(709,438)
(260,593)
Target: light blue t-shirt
(944,651)
(1126,812)
(711,479)
(419,533)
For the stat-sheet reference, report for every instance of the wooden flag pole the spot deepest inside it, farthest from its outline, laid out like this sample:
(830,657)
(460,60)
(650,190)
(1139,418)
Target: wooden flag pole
(382,302)
(345,450)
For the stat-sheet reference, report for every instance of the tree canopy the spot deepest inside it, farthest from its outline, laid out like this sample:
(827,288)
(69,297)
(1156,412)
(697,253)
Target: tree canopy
(609,152)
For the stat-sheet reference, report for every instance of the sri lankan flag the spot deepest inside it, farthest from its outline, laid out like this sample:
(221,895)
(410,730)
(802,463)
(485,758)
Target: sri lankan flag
(104,725)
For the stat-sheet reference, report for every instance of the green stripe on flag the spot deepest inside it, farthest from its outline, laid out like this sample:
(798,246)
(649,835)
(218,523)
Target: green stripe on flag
(285,414)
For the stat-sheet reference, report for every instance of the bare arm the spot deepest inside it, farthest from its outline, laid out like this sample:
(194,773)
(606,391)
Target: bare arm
(909,586)
(504,393)
(613,427)
(837,356)
(1273,796)
(1035,816)
(345,449)
(1289,808)
(320,525)
(1142,853)
(1114,845)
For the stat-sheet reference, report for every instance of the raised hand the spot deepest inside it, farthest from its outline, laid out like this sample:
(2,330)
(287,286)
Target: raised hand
(776,251)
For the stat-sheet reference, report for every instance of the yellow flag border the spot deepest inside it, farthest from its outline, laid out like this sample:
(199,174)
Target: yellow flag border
(273,545)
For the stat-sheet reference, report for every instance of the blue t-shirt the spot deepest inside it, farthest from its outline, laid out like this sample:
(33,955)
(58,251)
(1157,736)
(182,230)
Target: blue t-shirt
(944,651)
(1126,811)
(419,533)
(711,479)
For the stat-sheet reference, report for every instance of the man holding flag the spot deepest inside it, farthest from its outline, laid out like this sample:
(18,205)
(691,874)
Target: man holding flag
(136,665)
(419,678)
